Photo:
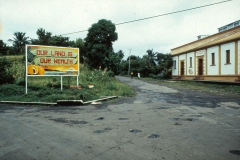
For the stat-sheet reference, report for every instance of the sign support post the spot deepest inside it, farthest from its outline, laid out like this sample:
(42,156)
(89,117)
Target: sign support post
(26,83)
(77,81)
(26,69)
(61,84)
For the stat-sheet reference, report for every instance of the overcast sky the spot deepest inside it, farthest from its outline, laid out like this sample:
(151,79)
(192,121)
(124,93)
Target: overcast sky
(160,34)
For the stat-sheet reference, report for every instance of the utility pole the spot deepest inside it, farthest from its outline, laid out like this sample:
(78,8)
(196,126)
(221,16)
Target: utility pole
(129,62)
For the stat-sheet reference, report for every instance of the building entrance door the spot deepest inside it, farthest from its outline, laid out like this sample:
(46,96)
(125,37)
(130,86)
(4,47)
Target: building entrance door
(182,68)
(200,67)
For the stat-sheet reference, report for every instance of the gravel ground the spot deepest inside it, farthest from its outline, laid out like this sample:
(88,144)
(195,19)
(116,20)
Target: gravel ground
(158,123)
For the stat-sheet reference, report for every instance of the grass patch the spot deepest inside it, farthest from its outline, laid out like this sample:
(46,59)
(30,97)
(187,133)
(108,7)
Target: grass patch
(18,58)
(198,86)
(51,92)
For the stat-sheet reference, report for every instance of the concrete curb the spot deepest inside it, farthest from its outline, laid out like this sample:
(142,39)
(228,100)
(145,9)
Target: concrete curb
(80,102)
(27,103)
(59,102)
(102,99)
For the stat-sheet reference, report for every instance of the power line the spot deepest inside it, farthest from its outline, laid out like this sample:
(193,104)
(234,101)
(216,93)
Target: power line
(172,12)
(159,15)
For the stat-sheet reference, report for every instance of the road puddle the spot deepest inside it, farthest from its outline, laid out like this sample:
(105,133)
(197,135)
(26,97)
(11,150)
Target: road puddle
(154,136)
(78,122)
(123,118)
(100,118)
(99,131)
(63,120)
(134,130)
(237,152)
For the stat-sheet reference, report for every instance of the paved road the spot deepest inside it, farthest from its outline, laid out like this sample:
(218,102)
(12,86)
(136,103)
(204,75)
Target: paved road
(159,123)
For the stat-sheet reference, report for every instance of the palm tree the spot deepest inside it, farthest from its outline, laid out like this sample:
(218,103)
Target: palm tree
(152,56)
(19,40)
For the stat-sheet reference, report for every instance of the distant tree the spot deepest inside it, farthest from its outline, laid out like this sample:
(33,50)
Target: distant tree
(147,66)
(168,65)
(19,41)
(134,65)
(133,57)
(160,57)
(152,57)
(46,38)
(3,48)
(120,54)
(43,37)
(79,43)
(98,43)
(59,41)
(114,63)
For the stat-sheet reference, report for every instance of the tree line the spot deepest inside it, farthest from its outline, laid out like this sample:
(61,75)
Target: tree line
(96,51)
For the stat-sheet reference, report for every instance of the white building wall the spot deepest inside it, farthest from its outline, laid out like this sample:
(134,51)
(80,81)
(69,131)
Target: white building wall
(175,70)
(182,57)
(239,57)
(228,69)
(190,69)
(213,69)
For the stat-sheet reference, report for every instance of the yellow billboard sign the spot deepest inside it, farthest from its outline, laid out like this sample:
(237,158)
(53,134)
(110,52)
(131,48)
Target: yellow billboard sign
(51,60)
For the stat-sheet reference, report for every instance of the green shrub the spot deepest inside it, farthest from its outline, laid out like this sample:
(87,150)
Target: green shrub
(11,90)
(156,76)
(151,75)
(5,77)
(20,81)
(110,74)
(17,71)
(111,86)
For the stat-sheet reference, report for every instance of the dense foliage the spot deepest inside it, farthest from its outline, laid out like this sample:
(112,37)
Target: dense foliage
(96,51)
(5,76)
(98,43)
(151,64)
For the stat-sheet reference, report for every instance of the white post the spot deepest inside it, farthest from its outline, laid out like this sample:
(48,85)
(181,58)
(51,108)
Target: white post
(61,84)
(77,81)
(26,83)
(26,68)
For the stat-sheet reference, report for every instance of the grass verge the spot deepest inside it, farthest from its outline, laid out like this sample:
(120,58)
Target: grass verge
(198,86)
(51,92)
(48,89)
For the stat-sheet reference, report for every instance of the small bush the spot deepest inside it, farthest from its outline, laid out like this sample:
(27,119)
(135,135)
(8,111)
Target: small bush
(110,73)
(151,75)
(5,77)
(111,86)
(20,81)
(11,90)
(17,71)
(156,76)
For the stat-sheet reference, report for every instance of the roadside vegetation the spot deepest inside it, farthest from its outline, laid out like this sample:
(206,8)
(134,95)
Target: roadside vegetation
(48,89)
(99,63)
